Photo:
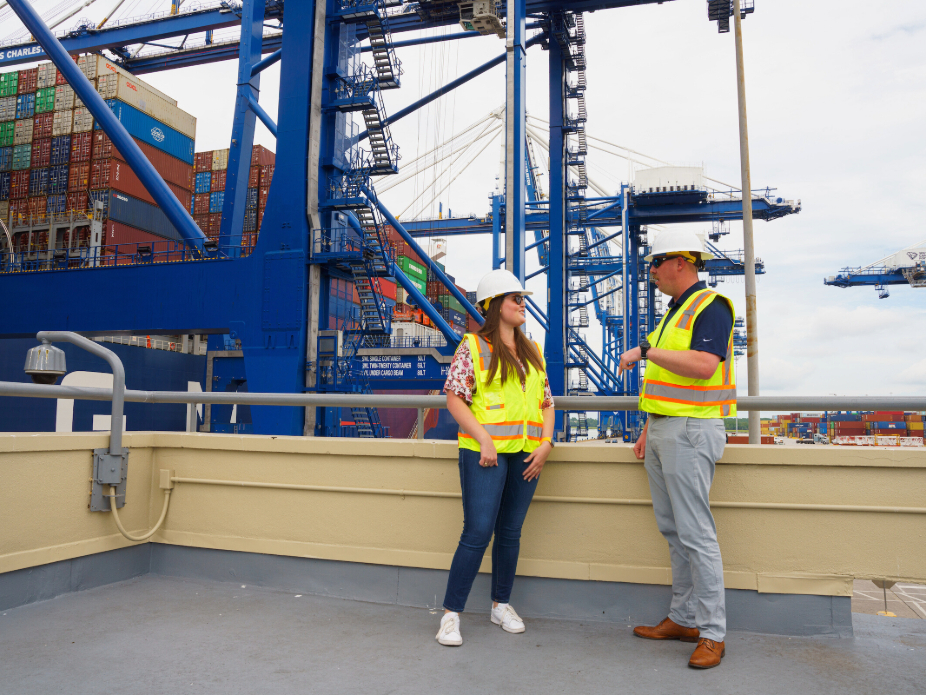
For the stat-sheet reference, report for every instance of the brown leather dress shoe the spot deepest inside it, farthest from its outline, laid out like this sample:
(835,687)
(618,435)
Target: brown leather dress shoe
(707,654)
(667,629)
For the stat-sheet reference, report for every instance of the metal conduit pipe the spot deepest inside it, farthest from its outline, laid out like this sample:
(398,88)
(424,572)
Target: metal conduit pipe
(785,506)
(144,536)
(154,184)
(772,403)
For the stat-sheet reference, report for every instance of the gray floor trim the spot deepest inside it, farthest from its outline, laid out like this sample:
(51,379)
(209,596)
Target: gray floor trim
(40,583)
(614,602)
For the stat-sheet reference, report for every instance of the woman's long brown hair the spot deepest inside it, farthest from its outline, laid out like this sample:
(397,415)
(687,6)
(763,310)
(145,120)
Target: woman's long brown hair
(526,349)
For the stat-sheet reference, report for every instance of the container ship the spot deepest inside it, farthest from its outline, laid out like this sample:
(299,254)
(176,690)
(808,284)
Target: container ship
(59,171)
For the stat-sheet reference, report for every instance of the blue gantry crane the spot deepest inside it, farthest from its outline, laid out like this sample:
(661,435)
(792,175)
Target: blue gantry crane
(325,221)
(906,267)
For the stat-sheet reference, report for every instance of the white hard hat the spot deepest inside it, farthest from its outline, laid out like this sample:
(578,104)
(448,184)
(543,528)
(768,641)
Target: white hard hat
(497,283)
(679,241)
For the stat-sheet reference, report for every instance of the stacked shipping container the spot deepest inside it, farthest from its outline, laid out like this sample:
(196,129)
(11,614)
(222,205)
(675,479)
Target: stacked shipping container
(54,161)
(210,173)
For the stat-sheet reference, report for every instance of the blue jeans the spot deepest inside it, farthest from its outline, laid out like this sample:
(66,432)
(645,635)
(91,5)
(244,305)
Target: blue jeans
(495,499)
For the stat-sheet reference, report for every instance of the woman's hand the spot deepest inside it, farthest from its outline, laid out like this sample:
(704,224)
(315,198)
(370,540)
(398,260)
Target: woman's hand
(536,459)
(487,454)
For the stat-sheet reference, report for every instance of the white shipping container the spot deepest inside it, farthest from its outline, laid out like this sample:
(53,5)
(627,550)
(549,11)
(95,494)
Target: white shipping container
(410,329)
(7,108)
(136,93)
(22,132)
(670,178)
(5,211)
(63,122)
(47,73)
(64,98)
(219,159)
(83,120)
(87,65)
(106,67)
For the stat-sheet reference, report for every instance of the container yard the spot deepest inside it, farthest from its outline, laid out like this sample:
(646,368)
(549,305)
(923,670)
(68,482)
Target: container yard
(873,428)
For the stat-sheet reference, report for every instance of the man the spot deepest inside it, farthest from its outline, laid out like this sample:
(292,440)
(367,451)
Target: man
(688,389)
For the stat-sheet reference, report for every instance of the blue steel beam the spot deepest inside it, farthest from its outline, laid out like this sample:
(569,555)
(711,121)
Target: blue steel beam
(262,65)
(516,144)
(242,136)
(94,40)
(262,115)
(199,55)
(178,215)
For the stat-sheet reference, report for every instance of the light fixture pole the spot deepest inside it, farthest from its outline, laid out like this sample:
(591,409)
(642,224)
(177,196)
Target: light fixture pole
(752,327)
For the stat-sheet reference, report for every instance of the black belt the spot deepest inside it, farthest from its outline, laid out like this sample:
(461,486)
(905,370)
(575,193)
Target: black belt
(657,415)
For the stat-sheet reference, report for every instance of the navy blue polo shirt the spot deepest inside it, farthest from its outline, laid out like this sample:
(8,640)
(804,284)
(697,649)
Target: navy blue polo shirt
(712,327)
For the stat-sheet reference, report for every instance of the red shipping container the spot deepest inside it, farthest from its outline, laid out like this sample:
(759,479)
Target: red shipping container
(59,78)
(19,208)
(41,153)
(116,174)
(218,180)
(261,156)
(254,177)
(41,126)
(202,161)
(266,175)
(260,219)
(38,206)
(262,194)
(27,81)
(201,204)
(79,178)
(81,147)
(388,288)
(77,200)
(170,168)
(19,185)
(215,222)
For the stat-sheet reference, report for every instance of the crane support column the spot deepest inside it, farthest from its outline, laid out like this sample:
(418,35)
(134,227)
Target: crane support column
(752,327)
(555,343)
(242,139)
(515,142)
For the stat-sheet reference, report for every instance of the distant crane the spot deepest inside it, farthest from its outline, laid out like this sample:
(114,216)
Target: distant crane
(906,267)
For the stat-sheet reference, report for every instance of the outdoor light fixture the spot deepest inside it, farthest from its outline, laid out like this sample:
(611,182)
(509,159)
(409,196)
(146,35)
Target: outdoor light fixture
(45,363)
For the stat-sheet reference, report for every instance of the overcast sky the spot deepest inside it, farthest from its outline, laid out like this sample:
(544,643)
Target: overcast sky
(836,96)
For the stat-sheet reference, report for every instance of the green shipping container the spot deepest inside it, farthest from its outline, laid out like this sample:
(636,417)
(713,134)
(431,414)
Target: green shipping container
(420,284)
(45,100)
(413,269)
(9,81)
(454,305)
(22,157)
(7,131)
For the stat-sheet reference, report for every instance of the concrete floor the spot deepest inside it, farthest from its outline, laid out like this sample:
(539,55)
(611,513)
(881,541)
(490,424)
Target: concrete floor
(164,635)
(903,600)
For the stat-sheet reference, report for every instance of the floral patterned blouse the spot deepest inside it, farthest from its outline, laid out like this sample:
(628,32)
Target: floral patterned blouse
(461,377)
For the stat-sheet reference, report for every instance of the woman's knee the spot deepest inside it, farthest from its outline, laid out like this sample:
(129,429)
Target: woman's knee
(476,536)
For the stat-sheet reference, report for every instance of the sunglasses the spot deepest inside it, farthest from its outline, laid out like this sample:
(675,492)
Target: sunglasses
(656,262)
(517,298)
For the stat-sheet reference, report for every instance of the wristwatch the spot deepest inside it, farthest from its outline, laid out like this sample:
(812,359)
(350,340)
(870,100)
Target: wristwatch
(644,347)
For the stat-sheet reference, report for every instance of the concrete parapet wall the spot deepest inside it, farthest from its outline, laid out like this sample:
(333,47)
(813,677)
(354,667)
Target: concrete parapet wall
(396,503)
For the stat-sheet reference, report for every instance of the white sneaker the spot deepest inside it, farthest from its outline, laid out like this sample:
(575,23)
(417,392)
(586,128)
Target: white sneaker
(449,633)
(503,614)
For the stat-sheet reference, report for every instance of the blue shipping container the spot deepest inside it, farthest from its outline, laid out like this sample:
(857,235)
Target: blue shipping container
(6,158)
(203,182)
(25,106)
(151,131)
(252,198)
(216,201)
(136,213)
(888,425)
(60,150)
(22,157)
(38,182)
(5,185)
(192,203)
(57,204)
(58,179)
(250,220)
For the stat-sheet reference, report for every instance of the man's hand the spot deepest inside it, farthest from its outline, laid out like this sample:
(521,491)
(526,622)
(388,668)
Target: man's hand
(639,448)
(628,359)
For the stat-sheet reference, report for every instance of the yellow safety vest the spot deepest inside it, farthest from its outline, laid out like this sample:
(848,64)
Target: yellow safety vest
(665,393)
(510,415)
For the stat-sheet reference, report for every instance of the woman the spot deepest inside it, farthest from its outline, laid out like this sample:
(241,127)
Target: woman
(498,392)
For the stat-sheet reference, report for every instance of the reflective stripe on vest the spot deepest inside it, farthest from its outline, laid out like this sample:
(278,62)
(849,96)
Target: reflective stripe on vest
(511,416)
(666,393)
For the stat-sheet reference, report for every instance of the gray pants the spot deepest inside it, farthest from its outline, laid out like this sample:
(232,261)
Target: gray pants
(680,457)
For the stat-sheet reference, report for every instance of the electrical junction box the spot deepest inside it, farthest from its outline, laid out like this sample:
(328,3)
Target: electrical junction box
(481,16)
(108,470)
